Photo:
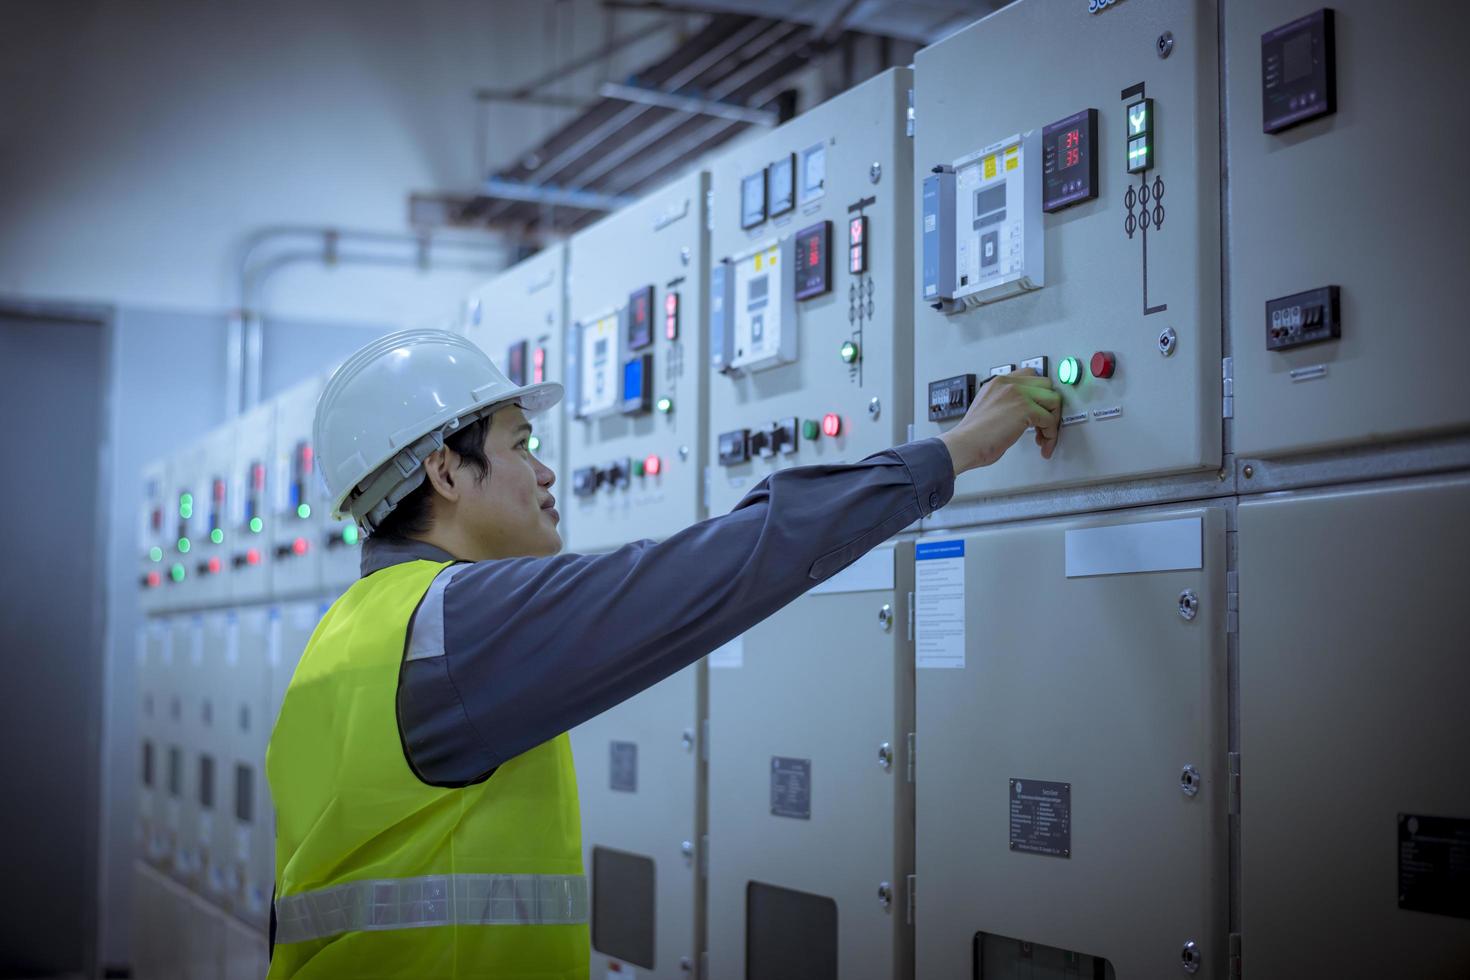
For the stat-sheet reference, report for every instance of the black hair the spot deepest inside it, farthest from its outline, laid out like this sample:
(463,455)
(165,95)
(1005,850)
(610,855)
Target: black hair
(413,514)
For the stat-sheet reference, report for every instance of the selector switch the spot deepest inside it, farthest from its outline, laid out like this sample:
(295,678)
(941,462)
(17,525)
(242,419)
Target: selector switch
(760,443)
(619,473)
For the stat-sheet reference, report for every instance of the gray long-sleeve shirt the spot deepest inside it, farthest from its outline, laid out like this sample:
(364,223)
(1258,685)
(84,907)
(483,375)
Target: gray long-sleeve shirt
(506,654)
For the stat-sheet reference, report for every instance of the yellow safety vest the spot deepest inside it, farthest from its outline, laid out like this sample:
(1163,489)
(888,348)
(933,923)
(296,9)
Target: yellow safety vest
(380,875)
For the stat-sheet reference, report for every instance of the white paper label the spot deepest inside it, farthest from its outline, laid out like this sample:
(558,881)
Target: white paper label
(939,604)
(1123,549)
(1103,414)
(1074,419)
(731,656)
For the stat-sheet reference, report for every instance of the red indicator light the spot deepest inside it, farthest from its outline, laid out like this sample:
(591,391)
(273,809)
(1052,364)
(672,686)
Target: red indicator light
(252,557)
(154,580)
(219,490)
(1104,363)
(538,365)
(300,546)
(671,316)
(157,518)
(653,465)
(831,424)
(214,566)
(257,476)
(306,457)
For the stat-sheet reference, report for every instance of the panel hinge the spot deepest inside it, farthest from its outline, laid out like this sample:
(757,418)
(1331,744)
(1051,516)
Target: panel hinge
(1232,603)
(909,125)
(911,617)
(912,738)
(1227,387)
(1234,954)
(1233,766)
(704,856)
(704,740)
(910,884)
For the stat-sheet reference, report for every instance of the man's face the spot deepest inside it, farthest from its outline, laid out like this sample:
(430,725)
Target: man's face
(511,513)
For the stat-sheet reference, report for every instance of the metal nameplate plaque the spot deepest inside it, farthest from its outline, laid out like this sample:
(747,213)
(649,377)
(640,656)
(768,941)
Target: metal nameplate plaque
(1434,865)
(1041,817)
(791,787)
(623,766)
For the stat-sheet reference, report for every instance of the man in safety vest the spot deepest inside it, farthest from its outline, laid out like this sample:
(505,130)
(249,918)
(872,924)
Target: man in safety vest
(427,822)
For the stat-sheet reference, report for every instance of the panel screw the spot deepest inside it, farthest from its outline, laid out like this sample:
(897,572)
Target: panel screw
(684,453)
(885,617)
(686,964)
(1165,44)
(1188,605)
(885,756)
(875,171)
(1249,471)
(1189,781)
(1168,341)
(885,895)
(686,848)
(685,255)
(875,407)
(687,740)
(1190,958)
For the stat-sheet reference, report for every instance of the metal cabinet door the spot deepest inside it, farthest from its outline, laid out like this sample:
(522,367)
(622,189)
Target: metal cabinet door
(1353,723)
(811,811)
(1095,681)
(639,778)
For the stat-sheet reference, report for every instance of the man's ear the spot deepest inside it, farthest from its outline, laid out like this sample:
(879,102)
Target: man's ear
(439,469)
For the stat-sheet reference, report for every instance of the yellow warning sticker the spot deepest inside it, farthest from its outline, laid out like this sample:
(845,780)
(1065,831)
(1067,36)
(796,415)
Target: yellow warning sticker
(775,253)
(759,258)
(989,166)
(1013,149)
(1012,163)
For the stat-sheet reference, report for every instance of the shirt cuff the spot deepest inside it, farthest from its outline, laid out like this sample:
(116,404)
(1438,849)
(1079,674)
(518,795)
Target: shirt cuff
(932,470)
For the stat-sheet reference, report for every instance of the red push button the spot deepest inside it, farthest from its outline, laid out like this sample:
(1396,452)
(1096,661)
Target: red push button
(1103,364)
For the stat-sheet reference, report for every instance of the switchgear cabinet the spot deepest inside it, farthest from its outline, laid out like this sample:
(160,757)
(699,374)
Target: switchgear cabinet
(635,368)
(1354,739)
(1066,185)
(810,354)
(1359,207)
(1071,753)
(518,318)
(811,793)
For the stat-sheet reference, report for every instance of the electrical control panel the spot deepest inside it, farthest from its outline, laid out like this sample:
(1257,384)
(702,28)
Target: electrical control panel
(519,318)
(294,527)
(1096,829)
(210,555)
(1075,213)
(810,714)
(157,508)
(248,551)
(637,406)
(188,515)
(810,359)
(1324,208)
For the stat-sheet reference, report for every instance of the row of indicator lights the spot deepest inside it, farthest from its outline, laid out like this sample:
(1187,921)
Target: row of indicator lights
(299,546)
(1103,364)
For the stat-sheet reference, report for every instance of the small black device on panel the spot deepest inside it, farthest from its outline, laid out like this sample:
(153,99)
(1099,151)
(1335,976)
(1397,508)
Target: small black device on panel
(1298,72)
(814,260)
(515,363)
(752,200)
(734,447)
(1303,318)
(586,481)
(1070,161)
(951,397)
(640,319)
(638,384)
(782,184)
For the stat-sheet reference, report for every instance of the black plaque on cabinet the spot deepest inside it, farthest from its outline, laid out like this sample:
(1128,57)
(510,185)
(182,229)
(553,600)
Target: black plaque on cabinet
(1041,817)
(1434,865)
(791,787)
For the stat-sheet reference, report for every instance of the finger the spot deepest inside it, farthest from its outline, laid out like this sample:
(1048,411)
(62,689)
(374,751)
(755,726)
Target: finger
(1047,442)
(1029,378)
(1044,419)
(1045,397)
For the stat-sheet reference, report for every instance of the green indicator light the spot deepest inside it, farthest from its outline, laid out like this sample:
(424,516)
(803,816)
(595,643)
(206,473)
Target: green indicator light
(349,534)
(638,467)
(665,405)
(176,573)
(810,429)
(217,536)
(155,553)
(303,511)
(534,443)
(1069,371)
(183,546)
(849,351)
(256,525)
(186,512)
(186,500)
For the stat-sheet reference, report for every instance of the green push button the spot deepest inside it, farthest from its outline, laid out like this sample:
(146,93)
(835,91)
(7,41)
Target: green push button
(810,429)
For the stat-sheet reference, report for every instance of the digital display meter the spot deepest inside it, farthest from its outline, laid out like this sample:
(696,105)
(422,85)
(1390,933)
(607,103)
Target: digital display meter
(1298,72)
(782,181)
(640,318)
(814,260)
(1070,164)
(753,200)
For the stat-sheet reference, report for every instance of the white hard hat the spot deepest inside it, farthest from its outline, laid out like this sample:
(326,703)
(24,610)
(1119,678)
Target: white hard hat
(393,403)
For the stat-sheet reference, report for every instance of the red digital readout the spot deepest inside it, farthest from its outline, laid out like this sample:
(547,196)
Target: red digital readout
(1069,148)
(813,252)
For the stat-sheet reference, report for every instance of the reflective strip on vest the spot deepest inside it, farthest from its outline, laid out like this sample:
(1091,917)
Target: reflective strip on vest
(378,904)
